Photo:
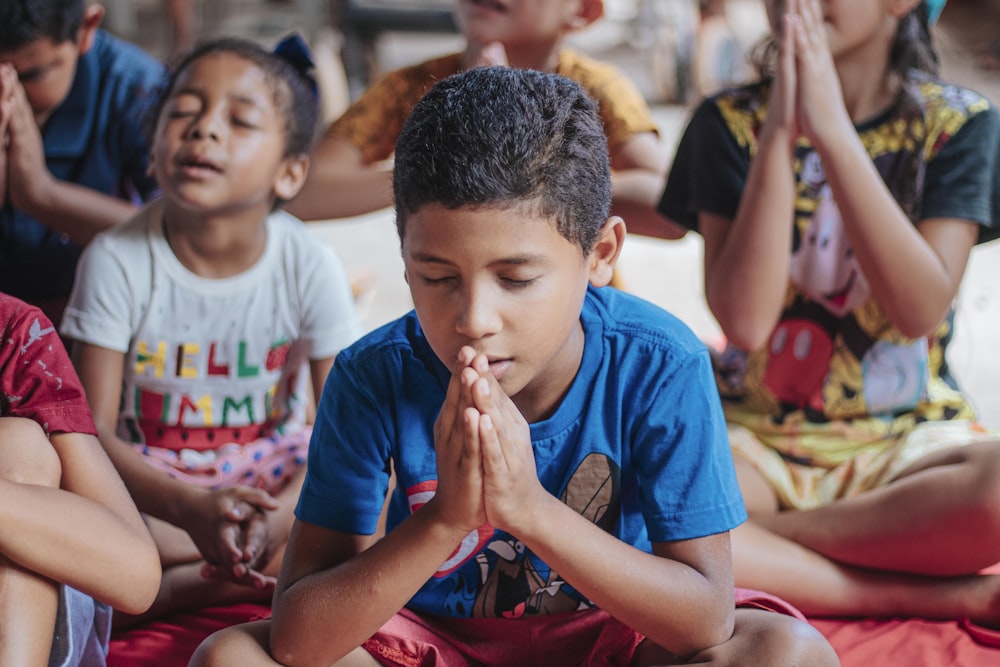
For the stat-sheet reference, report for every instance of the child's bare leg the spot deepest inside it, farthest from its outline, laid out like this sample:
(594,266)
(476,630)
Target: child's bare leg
(249,645)
(941,518)
(28,601)
(820,586)
(759,638)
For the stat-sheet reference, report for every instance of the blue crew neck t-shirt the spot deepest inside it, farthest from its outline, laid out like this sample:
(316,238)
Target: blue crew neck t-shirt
(638,446)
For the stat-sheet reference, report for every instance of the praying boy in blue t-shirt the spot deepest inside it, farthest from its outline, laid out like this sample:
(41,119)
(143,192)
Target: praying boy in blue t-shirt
(564,490)
(74,155)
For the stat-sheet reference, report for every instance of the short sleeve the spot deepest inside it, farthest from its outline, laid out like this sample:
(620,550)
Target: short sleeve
(330,320)
(708,172)
(348,471)
(963,177)
(99,311)
(687,480)
(37,377)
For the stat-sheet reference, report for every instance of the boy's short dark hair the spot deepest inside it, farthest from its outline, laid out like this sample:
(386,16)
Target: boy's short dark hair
(24,21)
(507,138)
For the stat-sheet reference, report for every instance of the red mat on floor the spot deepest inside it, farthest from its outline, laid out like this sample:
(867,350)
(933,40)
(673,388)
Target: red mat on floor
(170,642)
(863,643)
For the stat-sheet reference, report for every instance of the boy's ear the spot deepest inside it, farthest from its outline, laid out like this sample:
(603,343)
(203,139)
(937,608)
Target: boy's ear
(291,177)
(606,251)
(589,11)
(92,17)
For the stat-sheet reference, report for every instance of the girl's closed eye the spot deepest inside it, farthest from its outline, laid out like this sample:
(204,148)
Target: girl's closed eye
(183,106)
(245,122)
(247,115)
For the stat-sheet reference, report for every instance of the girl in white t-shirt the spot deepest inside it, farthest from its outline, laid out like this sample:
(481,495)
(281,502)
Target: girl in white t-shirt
(200,324)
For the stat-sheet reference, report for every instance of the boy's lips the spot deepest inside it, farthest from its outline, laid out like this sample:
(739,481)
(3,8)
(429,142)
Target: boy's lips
(499,367)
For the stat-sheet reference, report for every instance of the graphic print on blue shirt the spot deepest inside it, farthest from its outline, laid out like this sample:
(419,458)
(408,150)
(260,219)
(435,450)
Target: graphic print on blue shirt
(508,581)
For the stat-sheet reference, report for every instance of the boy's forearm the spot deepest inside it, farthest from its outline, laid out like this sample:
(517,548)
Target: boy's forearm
(357,596)
(74,210)
(676,605)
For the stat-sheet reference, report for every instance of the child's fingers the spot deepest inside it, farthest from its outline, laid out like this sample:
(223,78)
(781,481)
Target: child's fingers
(259,499)
(20,100)
(470,452)
(255,535)
(444,425)
(449,415)
(8,77)
(228,541)
(491,398)
(465,356)
(506,423)
(493,456)
(239,511)
(813,32)
(239,575)
(258,580)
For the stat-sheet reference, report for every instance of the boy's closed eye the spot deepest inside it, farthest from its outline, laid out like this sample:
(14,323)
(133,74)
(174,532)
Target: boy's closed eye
(511,282)
(433,281)
(32,75)
(517,283)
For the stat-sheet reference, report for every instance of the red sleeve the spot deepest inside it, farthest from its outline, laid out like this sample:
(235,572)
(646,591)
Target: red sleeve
(36,375)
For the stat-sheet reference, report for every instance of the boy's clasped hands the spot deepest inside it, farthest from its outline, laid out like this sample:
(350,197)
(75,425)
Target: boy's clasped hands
(24,178)
(8,80)
(485,460)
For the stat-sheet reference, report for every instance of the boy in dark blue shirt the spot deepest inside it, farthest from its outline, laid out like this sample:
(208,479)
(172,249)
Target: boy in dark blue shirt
(74,156)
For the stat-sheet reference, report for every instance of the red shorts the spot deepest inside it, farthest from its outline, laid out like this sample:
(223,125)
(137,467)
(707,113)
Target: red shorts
(589,637)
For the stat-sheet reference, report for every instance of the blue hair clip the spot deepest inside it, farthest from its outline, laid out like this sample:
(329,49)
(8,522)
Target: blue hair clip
(295,52)
(934,8)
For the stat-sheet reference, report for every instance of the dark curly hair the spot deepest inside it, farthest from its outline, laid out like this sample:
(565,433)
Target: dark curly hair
(506,138)
(24,21)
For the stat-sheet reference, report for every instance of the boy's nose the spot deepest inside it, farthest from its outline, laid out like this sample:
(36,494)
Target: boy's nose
(478,317)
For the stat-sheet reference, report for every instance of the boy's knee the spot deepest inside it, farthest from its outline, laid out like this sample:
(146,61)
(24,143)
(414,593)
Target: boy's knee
(244,644)
(211,652)
(26,455)
(777,640)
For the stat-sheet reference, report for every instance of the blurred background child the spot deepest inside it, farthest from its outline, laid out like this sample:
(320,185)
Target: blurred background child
(839,199)
(74,156)
(352,168)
